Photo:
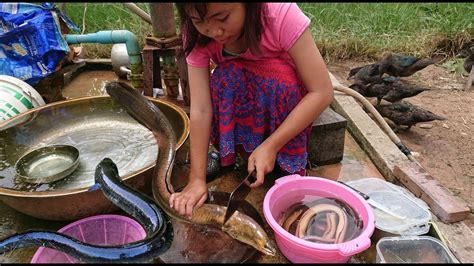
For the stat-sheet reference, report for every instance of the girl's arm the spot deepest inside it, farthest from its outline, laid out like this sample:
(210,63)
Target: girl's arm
(195,192)
(314,74)
(200,120)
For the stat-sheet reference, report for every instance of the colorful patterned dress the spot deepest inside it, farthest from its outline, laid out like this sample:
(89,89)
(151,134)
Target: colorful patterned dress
(250,100)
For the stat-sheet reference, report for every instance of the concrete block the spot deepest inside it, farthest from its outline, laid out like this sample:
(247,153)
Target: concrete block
(326,143)
(443,204)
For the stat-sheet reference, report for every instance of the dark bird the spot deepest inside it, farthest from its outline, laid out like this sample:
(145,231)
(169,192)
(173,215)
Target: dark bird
(468,53)
(399,65)
(401,90)
(366,74)
(406,114)
(388,88)
(371,90)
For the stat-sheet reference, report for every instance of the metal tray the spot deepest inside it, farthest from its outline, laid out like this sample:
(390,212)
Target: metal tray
(48,164)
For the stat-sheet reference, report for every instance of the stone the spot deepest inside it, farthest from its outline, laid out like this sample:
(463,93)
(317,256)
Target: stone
(425,126)
(326,142)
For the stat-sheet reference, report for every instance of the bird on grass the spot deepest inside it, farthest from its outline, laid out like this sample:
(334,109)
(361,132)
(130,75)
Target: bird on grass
(400,65)
(468,53)
(403,113)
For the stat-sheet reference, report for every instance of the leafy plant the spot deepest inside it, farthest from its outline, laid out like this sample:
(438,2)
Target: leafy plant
(455,65)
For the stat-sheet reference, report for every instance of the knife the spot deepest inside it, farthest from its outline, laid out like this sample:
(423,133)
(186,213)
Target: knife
(238,195)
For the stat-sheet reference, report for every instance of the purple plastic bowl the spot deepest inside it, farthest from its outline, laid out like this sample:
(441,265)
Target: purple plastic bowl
(103,230)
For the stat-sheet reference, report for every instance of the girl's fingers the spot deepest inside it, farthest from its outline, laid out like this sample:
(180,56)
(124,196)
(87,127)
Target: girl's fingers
(260,177)
(201,200)
(189,208)
(250,164)
(182,207)
(172,198)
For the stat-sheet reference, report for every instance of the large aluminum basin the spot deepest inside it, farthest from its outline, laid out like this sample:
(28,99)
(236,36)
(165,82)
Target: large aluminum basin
(99,128)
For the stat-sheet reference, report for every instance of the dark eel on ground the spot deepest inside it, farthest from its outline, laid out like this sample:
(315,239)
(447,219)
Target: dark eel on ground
(144,209)
(239,226)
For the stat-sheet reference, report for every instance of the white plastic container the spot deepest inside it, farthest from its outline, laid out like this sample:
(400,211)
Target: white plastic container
(413,214)
(17,96)
(415,249)
(10,106)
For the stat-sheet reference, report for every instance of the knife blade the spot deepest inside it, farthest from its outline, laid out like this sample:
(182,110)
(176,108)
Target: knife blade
(238,195)
(372,202)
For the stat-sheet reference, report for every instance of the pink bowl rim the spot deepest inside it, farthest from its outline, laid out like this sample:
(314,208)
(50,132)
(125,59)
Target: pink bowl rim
(131,221)
(366,233)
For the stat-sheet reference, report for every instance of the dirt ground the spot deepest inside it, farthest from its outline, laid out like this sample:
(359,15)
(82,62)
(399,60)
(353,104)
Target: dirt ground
(444,148)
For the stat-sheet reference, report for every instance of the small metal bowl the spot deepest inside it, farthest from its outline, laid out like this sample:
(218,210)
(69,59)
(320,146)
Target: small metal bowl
(48,164)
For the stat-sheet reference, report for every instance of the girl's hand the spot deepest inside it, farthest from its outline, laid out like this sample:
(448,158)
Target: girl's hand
(192,196)
(262,160)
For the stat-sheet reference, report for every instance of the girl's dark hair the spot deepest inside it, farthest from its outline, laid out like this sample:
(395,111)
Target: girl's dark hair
(251,33)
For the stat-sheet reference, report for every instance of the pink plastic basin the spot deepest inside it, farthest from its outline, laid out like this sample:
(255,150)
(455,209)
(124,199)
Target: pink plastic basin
(103,230)
(291,189)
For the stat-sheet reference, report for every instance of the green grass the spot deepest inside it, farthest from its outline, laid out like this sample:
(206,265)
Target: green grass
(341,30)
(346,30)
(107,16)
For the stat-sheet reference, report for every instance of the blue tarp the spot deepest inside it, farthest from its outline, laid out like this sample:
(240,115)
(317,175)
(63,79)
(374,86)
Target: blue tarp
(31,44)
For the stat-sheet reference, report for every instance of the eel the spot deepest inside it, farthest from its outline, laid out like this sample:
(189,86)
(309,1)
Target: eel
(157,226)
(239,226)
(215,246)
(336,233)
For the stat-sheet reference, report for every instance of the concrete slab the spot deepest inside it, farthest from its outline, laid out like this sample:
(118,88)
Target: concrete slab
(447,207)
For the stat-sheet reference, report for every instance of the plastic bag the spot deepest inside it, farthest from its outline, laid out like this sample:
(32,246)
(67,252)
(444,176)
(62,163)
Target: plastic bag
(31,44)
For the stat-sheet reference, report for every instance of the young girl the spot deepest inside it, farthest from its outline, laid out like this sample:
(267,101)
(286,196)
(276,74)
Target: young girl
(269,85)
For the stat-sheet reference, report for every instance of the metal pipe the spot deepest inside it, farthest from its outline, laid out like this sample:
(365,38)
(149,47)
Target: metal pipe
(162,15)
(138,11)
(116,36)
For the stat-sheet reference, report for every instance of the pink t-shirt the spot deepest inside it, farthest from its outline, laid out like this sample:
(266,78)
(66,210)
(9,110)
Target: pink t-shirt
(285,24)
